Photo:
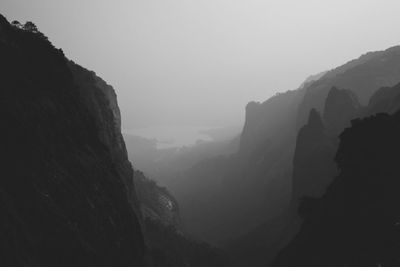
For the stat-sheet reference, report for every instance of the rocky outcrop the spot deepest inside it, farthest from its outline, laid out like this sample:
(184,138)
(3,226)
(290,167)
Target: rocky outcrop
(313,167)
(313,171)
(166,241)
(259,175)
(341,106)
(386,99)
(66,193)
(312,78)
(363,76)
(101,101)
(156,203)
(356,222)
(270,121)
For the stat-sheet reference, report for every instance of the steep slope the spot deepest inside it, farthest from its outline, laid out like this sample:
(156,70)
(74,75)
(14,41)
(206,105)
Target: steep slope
(226,196)
(386,99)
(362,76)
(341,106)
(312,78)
(269,120)
(254,185)
(313,170)
(313,160)
(167,244)
(356,222)
(311,163)
(156,203)
(66,192)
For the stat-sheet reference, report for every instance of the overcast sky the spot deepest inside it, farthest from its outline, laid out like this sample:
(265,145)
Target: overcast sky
(198,62)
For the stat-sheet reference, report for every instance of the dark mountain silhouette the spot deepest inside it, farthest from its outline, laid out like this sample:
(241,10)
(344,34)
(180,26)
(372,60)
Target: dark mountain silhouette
(226,196)
(312,170)
(156,202)
(313,160)
(356,222)
(269,120)
(386,99)
(254,185)
(362,76)
(316,144)
(344,104)
(69,195)
(66,193)
(341,106)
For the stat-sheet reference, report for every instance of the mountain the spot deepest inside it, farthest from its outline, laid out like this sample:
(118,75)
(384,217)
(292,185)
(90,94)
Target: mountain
(166,242)
(386,99)
(156,203)
(356,222)
(269,120)
(313,166)
(66,195)
(341,106)
(344,104)
(226,197)
(312,170)
(310,79)
(363,76)
(166,165)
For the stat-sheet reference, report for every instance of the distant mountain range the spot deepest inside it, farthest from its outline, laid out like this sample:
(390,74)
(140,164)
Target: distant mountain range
(234,199)
(312,180)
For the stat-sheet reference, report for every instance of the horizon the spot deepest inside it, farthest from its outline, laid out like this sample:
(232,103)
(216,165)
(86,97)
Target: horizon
(254,133)
(195,64)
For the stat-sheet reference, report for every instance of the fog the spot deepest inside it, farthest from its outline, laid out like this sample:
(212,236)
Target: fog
(180,63)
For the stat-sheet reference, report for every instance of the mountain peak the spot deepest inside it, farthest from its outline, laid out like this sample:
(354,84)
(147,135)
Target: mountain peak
(314,119)
(341,105)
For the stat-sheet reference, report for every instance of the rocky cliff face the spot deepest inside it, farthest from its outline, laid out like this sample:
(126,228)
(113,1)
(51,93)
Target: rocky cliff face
(66,192)
(167,244)
(313,167)
(312,78)
(386,99)
(341,106)
(156,203)
(270,121)
(313,170)
(356,222)
(101,101)
(363,76)
(316,144)
(241,191)
(257,181)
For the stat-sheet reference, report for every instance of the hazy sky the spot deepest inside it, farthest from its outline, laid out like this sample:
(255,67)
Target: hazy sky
(175,62)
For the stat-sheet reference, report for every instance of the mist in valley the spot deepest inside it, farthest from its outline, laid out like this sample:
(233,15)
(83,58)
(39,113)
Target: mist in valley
(200,133)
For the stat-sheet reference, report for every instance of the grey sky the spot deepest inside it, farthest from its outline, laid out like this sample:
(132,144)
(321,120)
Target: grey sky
(177,62)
